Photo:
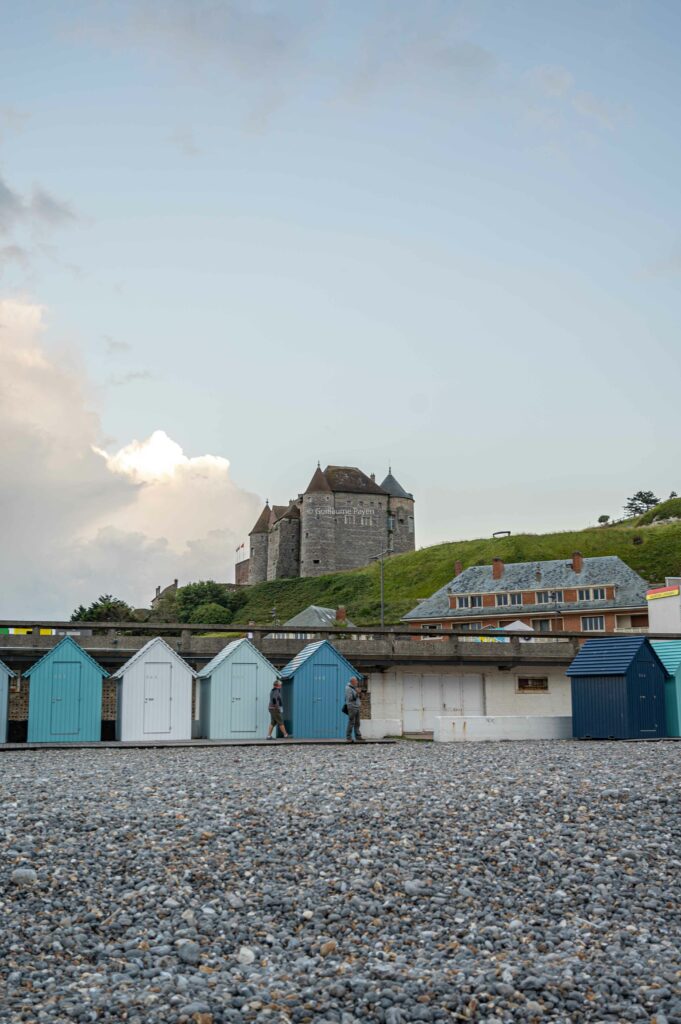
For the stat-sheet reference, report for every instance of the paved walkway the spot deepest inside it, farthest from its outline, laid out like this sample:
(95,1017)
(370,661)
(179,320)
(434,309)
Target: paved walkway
(115,744)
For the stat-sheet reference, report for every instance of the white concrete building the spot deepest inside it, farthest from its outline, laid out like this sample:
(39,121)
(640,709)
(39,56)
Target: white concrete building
(407,701)
(664,607)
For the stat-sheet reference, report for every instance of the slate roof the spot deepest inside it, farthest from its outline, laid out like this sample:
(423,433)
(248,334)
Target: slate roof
(7,669)
(669,653)
(610,656)
(315,615)
(395,489)
(307,652)
(318,484)
(228,651)
(67,641)
(263,521)
(556,574)
(118,674)
(350,480)
(289,512)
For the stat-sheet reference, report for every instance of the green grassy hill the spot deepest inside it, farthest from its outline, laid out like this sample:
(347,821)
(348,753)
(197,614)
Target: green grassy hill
(654,551)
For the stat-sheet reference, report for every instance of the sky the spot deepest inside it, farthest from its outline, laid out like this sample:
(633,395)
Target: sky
(238,237)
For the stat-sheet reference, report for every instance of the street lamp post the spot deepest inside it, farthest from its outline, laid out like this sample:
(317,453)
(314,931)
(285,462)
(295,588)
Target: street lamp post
(380,558)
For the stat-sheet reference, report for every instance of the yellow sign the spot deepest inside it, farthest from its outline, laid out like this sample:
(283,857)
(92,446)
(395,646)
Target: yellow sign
(652,595)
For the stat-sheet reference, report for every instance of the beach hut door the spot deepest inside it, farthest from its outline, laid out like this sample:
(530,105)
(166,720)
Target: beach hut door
(244,697)
(157,697)
(325,698)
(647,705)
(65,707)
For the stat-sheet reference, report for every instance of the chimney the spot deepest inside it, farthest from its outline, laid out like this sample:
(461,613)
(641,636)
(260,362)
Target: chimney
(458,568)
(175,584)
(373,477)
(577,561)
(497,568)
(537,574)
(158,591)
(341,614)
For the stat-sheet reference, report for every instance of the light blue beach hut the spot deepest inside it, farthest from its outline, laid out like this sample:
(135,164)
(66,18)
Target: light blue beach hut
(5,675)
(234,693)
(314,692)
(65,696)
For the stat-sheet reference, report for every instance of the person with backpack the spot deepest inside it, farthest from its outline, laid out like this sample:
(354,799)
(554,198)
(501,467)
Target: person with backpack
(352,705)
(276,709)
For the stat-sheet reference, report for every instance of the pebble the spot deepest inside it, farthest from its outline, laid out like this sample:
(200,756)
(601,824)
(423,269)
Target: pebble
(485,882)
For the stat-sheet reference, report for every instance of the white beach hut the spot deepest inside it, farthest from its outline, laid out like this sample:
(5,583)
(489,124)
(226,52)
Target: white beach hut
(154,695)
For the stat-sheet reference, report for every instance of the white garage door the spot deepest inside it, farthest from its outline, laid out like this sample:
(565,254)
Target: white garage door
(427,695)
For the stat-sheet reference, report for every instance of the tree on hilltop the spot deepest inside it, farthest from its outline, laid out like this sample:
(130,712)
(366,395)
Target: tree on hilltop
(641,502)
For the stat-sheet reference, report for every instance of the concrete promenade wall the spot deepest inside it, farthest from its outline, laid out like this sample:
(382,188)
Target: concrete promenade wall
(505,727)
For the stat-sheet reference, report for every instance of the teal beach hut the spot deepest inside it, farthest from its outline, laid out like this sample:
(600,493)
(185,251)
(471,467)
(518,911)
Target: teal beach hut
(234,693)
(669,653)
(314,692)
(5,675)
(65,696)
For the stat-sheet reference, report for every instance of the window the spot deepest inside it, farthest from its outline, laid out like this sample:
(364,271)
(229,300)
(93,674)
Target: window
(549,596)
(391,522)
(476,600)
(533,684)
(468,627)
(541,625)
(462,602)
(516,598)
(410,524)
(593,623)
(429,625)
(591,594)
(315,561)
(501,599)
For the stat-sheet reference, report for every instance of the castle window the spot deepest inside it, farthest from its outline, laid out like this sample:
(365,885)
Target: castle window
(315,561)
(391,522)
(410,522)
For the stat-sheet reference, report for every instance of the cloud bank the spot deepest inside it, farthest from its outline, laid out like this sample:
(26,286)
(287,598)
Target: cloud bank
(77,520)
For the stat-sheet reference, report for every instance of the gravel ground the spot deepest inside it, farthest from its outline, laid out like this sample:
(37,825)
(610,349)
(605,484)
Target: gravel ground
(486,882)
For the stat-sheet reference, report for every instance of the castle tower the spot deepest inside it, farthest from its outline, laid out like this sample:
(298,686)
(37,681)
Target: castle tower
(283,556)
(317,530)
(401,533)
(259,544)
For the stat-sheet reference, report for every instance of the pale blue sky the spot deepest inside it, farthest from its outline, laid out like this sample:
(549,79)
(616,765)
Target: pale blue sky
(445,234)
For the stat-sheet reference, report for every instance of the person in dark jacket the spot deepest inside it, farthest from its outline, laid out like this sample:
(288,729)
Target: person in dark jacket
(352,703)
(276,709)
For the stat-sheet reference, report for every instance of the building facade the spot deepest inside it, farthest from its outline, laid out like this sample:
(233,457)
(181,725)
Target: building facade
(343,520)
(583,595)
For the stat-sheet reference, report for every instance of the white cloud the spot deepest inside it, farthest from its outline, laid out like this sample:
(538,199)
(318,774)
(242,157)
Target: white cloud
(78,521)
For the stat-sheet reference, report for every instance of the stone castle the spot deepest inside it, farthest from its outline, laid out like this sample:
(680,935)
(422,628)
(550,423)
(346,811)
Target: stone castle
(342,521)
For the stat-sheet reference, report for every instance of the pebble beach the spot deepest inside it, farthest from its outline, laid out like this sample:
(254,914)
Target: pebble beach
(414,882)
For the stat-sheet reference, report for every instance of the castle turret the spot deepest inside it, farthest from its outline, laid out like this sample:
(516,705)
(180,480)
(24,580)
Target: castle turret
(317,537)
(283,557)
(401,535)
(259,544)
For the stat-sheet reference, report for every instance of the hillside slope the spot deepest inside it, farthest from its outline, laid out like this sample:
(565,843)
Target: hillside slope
(653,551)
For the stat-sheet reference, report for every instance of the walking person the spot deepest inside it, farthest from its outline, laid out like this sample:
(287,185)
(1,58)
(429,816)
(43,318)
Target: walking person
(276,709)
(352,703)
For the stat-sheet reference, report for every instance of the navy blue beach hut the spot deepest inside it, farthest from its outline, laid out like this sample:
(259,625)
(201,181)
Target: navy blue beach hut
(618,690)
(314,692)
(65,696)
(5,675)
